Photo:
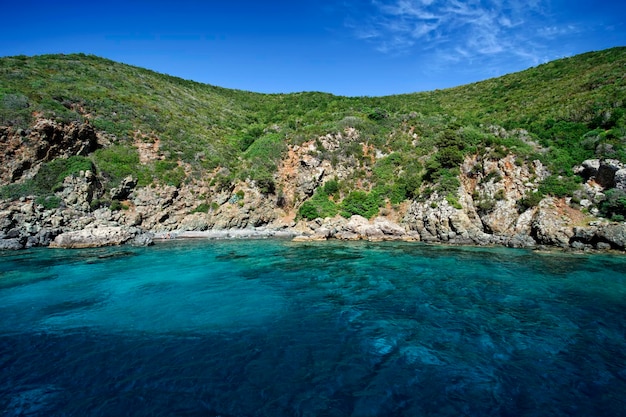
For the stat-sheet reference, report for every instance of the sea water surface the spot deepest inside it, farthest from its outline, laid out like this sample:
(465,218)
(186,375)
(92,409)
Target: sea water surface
(276,328)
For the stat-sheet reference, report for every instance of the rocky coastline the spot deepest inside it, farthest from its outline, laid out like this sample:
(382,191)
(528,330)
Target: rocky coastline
(486,212)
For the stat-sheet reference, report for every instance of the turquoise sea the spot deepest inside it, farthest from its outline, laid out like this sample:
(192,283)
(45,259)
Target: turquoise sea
(276,328)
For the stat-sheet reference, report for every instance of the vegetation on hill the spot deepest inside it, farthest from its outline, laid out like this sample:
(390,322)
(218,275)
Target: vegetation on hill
(561,112)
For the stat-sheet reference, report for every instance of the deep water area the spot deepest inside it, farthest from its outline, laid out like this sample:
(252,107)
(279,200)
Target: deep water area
(277,328)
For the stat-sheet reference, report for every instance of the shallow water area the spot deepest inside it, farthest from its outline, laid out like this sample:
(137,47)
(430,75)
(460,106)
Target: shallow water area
(276,328)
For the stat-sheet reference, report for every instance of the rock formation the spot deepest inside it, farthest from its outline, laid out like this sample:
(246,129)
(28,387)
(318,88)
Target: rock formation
(486,209)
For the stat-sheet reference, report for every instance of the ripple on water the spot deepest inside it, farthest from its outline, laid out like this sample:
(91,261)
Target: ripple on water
(273,328)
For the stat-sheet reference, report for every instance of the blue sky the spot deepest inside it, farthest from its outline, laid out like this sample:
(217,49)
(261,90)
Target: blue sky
(346,47)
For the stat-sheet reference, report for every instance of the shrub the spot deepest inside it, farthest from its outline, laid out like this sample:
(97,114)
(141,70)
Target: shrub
(14,110)
(558,186)
(450,149)
(350,121)
(267,148)
(448,182)
(202,208)
(450,157)
(48,179)
(614,205)
(117,161)
(331,187)
(115,205)
(385,168)
(500,195)
(266,184)
(494,176)
(308,210)
(318,206)
(169,172)
(50,176)
(49,202)
(453,201)
(378,114)
(531,199)
(398,193)
(485,205)
(360,203)
(15,191)
(411,182)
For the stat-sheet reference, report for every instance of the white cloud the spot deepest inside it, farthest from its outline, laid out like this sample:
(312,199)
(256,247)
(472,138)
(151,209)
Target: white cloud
(556,31)
(462,29)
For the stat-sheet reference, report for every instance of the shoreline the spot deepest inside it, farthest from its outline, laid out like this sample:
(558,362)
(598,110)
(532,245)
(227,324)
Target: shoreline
(224,234)
(251,234)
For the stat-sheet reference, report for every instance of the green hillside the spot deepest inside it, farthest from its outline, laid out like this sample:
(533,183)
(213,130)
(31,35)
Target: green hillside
(572,109)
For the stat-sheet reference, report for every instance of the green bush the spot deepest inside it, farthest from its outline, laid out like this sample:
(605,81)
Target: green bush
(319,206)
(115,205)
(17,190)
(331,187)
(266,184)
(494,176)
(202,208)
(117,162)
(485,204)
(559,186)
(169,172)
(449,157)
(49,202)
(51,175)
(448,182)
(308,210)
(267,148)
(398,193)
(385,168)
(450,149)
(378,115)
(530,200)
(48,179)
(614,205)
(453,200)
(360,203)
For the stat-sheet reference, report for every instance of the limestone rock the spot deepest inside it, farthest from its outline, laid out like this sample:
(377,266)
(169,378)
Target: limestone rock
(606,172)
(588,169)
(620,179)
(97,237)
(550,226)
(124,189)
(11,244)
(614,234)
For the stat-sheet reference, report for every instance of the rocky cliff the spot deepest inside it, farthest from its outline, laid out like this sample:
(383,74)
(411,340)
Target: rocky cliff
(486,208)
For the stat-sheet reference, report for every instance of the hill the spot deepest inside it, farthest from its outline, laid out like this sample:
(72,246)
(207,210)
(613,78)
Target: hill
(242,159)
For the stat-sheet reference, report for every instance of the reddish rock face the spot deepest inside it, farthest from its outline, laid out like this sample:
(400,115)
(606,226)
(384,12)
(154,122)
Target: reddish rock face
(25,150)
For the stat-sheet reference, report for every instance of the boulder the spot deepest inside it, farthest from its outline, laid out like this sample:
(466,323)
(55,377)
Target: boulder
(614,234)
(11,244)
(606,172)
(142,239)
(521,241)
(550,227)
(124,189)
(99,236)
(389,228)
(588,169)
(620,179)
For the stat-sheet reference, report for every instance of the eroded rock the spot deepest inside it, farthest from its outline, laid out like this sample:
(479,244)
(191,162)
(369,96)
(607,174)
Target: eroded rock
(100,236)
